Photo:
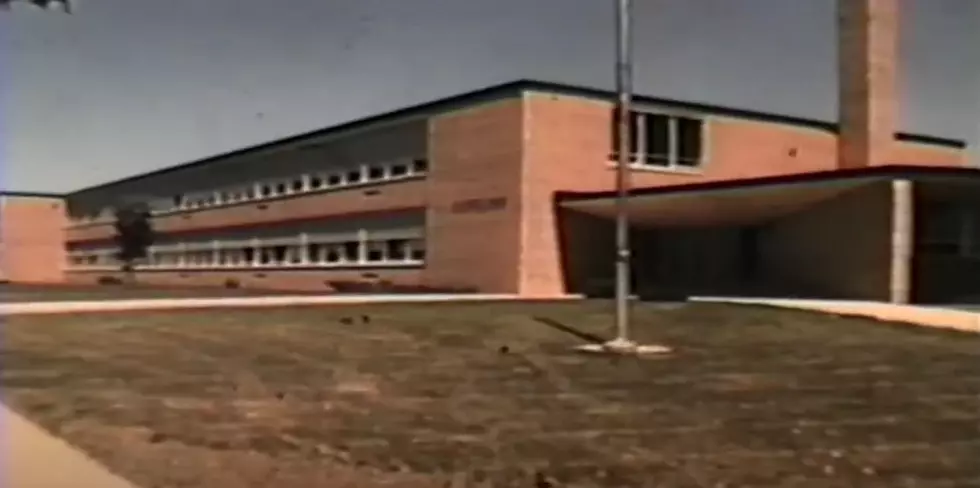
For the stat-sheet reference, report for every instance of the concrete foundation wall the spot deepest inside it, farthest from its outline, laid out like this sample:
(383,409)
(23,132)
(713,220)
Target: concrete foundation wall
(837,249)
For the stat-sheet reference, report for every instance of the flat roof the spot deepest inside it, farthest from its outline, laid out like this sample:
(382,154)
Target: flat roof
(515,89)
(748,201)
(889,172)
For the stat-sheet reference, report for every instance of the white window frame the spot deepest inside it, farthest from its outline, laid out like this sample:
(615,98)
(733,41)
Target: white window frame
(638,160)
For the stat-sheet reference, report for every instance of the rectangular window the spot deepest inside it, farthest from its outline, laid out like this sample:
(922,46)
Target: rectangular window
(396,249)
(298,185)
(279,255)
(399,170)
(335,180)
(689,140)
(376,172)
(417,247)
(316,182)
(662,140)
(295,254)
(354,176)
(333,254)
(656,140)
(420,165)
(351,253)
(313,253)
(375,252)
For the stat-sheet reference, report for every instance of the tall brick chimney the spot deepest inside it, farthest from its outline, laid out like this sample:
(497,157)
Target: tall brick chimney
(867,47)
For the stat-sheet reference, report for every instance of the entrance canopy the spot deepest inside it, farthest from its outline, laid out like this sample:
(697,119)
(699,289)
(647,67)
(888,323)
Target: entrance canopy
(747,202)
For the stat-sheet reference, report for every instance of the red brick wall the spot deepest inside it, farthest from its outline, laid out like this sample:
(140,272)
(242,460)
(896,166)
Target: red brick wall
(912,154)
(868,75)
(473,223)
(33,233)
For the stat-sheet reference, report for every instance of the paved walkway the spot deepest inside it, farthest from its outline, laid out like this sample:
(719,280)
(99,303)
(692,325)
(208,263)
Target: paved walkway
(235,302)
(33,458)
(953,317)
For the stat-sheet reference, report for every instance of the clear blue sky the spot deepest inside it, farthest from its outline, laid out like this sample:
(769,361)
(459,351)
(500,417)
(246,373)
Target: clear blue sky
(126,86)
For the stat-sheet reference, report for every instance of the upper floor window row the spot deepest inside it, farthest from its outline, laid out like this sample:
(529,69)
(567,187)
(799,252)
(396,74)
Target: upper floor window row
(337,179)
(658,140)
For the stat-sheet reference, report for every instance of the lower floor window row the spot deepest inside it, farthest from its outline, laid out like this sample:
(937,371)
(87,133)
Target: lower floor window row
(352,253)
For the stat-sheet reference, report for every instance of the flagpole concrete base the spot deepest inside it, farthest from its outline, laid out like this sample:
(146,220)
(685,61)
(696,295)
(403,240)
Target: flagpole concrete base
(623,347)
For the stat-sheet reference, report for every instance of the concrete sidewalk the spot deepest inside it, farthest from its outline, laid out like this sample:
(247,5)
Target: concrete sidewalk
(29,308)
(956,318)
(33,458)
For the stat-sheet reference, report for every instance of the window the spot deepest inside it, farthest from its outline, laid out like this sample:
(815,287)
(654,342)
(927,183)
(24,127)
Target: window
(296,254)
(249,255)
(376,252)
(281,188)
(334,180)
(420,165)
(333,254)
(663,141)
(689,139)
(265,191)
(313,253)
(376,172)
(653,144)
(351,251)
(399,170)
(298,184)
(279,254)
(396,249)
(316,182)
(417,247)
(354,176)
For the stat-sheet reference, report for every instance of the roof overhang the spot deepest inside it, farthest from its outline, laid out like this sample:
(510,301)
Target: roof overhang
(750,201)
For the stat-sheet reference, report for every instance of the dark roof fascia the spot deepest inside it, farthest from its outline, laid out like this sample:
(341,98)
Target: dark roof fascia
(871,173)
(31,194)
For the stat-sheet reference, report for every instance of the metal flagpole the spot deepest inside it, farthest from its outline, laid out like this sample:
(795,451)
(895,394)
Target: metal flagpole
(623,343)
(624,91)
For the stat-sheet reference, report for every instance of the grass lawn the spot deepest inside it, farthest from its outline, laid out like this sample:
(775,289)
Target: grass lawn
(751,397)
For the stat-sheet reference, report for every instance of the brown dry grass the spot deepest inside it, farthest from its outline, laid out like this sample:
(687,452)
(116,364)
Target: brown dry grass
(483,393)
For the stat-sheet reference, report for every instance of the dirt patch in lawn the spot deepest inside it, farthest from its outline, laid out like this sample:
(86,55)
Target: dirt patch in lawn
(423,395)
